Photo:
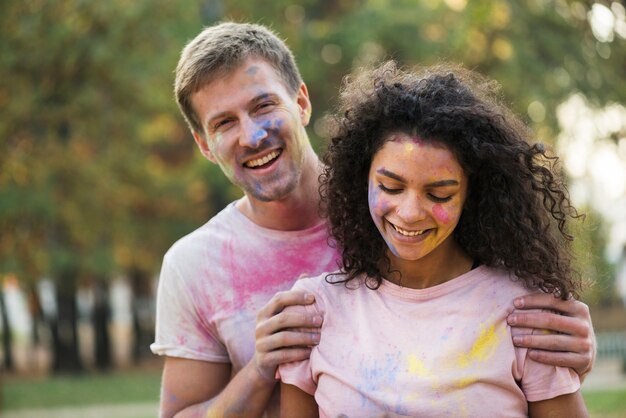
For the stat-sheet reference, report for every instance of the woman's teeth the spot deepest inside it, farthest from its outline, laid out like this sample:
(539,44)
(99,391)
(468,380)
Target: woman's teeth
(407,233)
(260,161)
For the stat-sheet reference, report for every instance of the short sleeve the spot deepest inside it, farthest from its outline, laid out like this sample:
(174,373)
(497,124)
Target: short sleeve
(542,381)
(181,331)
(299,373)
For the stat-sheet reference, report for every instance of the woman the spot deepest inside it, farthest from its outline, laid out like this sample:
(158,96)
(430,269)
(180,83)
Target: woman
(444,213)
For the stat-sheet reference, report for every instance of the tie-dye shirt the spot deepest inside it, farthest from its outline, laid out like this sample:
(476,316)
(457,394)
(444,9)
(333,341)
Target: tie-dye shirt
(214,280)
(441,351)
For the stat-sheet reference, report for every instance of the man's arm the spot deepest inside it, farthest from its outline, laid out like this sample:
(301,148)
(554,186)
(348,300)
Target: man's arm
(193,388)
(572,343)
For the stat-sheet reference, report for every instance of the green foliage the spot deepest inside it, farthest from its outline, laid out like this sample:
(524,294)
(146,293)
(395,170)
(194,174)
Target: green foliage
(597,273)
(98,173)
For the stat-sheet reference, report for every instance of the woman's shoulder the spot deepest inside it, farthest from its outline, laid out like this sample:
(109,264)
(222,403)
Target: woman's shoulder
(507,283)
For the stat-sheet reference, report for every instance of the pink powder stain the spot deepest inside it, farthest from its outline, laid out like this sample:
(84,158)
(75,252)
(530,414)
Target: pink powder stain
(414,139)
(441,213)
(278,269)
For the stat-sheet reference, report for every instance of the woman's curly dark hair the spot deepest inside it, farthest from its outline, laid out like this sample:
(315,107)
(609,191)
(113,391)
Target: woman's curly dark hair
(517,207)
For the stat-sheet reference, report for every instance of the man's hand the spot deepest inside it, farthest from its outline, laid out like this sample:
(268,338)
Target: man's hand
(572,342)
(284,336)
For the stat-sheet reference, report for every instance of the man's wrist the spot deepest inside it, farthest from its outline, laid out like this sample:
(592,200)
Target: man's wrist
(264,375)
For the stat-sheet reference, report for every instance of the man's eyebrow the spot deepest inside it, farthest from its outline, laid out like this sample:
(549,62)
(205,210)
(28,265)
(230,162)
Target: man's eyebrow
(262,96)
(254,100)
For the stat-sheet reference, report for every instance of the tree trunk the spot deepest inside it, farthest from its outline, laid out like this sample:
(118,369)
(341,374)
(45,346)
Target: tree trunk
(143,327)
(64,330)
(101,316)
(7,340)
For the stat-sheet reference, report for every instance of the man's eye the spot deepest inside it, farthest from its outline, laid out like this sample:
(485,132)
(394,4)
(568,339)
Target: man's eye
(387,189)
(221,123)
(264,105)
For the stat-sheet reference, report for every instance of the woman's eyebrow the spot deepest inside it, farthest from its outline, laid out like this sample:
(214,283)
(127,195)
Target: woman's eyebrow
(443,183)
(390,174)
(439,183)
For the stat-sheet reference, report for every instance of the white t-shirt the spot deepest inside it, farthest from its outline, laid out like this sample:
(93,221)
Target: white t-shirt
(441,351)
(214,280)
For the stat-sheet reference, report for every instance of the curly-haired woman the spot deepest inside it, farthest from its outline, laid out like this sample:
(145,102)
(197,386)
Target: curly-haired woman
(444,212)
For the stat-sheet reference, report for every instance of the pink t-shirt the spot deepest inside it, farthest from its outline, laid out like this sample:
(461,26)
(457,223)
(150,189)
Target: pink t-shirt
(214,280)
(442,351)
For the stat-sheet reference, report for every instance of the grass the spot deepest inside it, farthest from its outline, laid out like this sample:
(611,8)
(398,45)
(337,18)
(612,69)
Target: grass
(610,403)
(143,386)
(87,389)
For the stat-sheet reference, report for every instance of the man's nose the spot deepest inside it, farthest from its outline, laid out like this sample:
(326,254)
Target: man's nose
(253,133)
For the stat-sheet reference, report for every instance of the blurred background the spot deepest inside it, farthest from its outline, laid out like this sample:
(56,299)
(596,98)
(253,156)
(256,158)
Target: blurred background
(99,175)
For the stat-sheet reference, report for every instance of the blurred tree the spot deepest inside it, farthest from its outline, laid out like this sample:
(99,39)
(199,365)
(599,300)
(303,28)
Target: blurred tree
(95,157)
(98,173)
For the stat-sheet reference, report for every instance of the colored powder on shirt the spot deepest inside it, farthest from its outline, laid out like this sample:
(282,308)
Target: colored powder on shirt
(483,348)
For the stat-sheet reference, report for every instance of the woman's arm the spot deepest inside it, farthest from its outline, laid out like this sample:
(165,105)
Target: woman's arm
(564,406)
(295,403)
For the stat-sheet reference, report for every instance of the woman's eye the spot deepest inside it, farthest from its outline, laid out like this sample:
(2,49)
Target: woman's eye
(440,199)
(388,190)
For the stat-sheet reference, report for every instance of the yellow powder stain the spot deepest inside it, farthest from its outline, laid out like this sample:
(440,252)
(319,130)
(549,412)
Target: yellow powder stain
(465,381)
(484,347)
(416,367)
(408,148)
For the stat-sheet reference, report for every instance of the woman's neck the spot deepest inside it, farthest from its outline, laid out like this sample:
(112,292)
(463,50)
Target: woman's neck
(444,263)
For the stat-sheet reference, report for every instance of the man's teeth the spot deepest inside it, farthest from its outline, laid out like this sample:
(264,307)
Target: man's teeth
(260,161)
(407,233)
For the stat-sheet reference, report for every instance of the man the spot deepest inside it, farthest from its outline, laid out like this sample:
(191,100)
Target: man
(242,95)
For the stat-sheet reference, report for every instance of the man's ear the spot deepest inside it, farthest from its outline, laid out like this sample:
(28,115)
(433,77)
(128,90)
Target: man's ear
(305,104)
(204,147)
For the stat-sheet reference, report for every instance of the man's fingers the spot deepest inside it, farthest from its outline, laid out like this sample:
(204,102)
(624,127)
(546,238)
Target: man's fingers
(289,355)
(551,342)
(549,321)
(286,339)
(569,307)
(285,320)
(574,360)
(283,299)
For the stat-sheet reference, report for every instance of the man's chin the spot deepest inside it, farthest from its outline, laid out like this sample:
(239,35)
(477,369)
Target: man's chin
(271,194)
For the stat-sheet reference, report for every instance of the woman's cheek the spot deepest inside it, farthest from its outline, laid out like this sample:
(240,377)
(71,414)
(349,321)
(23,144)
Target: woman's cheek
(441,213)
(378,205)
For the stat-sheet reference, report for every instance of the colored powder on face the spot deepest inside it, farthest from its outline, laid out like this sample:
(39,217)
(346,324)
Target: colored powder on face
(441,213)
(408,148)
(417,140)
(252,70)
(378,207)
(258,136)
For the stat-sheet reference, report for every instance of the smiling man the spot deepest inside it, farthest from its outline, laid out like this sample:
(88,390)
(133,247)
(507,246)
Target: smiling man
(220,319)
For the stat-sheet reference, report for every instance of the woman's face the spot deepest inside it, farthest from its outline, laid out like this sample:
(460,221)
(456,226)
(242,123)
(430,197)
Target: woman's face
(416,194)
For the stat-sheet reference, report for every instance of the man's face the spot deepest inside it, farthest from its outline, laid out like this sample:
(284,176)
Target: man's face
(254,129)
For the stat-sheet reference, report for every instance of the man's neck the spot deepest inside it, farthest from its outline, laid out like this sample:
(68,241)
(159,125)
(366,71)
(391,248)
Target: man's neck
(297,211)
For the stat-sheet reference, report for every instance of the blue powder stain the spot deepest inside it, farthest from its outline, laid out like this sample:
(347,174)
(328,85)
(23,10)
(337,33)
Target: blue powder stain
(372,198)
(258,136)
(380,376)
